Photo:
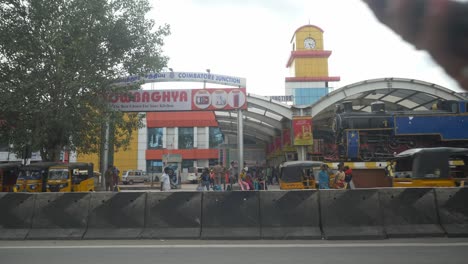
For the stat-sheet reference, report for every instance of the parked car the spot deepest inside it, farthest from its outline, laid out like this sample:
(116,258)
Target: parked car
(194,173)
(135,176)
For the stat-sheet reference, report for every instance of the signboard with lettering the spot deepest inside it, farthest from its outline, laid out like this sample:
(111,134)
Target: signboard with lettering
(183,77)
(167,158)
(180,100)
(282,98)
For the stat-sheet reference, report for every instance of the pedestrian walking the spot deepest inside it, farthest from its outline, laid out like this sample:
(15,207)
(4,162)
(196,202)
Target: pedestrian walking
(242,177)
(348,177)
(108,175)
(233,173)
(165,181)
(115,178)
(205,179)
(219,173)
(276,172)
(212,179)
(323,177)
(340,182)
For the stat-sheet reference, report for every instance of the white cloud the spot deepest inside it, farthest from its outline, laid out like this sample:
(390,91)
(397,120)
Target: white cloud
(251,39)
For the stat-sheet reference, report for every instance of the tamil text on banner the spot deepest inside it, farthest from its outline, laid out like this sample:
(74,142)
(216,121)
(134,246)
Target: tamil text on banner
(180,100)
(302,127)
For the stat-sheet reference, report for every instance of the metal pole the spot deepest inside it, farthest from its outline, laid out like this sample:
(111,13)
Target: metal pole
(240,138)
(105,155)
(302,149)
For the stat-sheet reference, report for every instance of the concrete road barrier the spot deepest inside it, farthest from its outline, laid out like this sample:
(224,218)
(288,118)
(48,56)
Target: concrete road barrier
(230,215)
(351,214)
(60,216)
(16,211)
(290,215)
(410,212)
(452,204)
(116,215)
(173,215)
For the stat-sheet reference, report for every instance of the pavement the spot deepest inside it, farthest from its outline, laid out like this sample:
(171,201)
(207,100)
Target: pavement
(414,251)
(184,187)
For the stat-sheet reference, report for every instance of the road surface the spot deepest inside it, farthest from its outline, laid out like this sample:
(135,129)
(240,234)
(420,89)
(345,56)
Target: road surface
(391,251)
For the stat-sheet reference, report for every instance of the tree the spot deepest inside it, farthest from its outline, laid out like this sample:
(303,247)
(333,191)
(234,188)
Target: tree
(58,60)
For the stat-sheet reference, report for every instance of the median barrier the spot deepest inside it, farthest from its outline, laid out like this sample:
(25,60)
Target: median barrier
(410,212)
(452,204)
(16,210)
(173,215)
(60,216)
(290,215)
(116,215)
(230,215)
(351,214)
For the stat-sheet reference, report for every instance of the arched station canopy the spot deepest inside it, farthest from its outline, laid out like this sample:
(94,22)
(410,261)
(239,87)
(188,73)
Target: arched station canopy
(264,118)
(398,94)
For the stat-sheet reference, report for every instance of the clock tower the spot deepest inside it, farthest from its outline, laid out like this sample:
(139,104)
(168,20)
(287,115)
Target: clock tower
(308,66)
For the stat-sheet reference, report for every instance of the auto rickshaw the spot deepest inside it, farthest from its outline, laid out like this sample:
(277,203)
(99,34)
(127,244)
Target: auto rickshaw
(430,167)
(299,174)
(71,177)
(33,177)
(8,175)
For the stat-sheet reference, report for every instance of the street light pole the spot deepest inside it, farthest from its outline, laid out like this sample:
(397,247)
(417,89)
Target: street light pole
(204,82)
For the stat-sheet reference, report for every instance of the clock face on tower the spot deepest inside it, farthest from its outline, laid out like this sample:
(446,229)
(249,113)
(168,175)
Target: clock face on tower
(309,43)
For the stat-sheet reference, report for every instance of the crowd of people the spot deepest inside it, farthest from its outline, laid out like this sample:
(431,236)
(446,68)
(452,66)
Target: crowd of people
(221,178)
(341,179)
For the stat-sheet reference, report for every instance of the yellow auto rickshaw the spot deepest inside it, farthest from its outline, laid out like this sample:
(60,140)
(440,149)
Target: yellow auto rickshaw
(299,174)
(71,177)
(429,167)
(33,177)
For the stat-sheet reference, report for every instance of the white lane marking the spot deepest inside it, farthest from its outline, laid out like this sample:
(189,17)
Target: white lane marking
(268,246)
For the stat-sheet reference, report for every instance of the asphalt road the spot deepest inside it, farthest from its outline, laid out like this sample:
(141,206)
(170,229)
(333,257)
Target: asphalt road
(225,252)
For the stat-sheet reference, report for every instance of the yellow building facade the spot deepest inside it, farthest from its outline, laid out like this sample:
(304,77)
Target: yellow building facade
(124,159)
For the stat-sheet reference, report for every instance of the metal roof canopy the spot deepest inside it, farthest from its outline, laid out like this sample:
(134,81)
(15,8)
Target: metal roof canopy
(396,93)
(264,117)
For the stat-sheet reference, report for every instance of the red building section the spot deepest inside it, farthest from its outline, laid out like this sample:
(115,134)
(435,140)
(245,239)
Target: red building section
(182,119)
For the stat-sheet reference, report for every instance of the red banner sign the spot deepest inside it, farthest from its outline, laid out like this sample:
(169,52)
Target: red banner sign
(180,100)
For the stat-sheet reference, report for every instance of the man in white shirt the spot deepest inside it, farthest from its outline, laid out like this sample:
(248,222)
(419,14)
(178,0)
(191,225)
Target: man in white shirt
(165,181)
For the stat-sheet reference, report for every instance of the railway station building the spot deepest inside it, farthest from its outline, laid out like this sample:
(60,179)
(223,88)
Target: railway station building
(273,131)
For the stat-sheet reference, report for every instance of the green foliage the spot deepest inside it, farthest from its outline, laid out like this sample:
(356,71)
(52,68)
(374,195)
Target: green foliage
(58,59)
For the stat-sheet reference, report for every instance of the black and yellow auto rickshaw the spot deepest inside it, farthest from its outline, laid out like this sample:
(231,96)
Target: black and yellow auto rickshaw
(33,177)
(71,177)
(299,174)
(8,175)
(430,167)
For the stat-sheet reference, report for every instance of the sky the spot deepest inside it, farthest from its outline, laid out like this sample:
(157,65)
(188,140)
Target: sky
(251,39)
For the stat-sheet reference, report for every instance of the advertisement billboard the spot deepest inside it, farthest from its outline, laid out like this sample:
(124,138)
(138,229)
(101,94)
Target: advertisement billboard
(180,100)
(302,127)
